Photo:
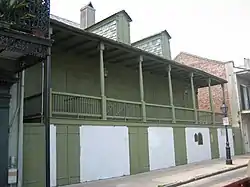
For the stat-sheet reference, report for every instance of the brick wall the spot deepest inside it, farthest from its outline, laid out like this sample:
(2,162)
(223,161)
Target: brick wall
(210,66)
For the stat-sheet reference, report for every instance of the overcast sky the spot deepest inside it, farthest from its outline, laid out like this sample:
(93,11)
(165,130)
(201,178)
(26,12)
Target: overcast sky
(217,29)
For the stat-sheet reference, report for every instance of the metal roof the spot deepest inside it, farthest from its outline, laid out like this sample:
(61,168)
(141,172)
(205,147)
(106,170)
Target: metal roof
(69,38)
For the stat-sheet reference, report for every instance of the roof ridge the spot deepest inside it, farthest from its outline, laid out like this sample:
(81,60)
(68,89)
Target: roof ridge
(200,57)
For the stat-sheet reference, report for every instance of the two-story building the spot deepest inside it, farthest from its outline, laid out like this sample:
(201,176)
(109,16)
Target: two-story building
(242,85)
(117,108)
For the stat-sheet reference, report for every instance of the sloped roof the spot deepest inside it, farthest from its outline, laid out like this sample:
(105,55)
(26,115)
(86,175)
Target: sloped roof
(154,63)
(152,36)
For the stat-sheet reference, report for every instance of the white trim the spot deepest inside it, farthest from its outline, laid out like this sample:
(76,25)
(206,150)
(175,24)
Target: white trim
(52,155)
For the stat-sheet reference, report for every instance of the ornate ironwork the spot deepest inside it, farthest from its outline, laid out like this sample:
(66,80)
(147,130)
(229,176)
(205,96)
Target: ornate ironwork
(31,16)
(22,46)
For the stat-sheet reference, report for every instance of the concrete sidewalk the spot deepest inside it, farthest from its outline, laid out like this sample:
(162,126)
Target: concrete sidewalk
(171,176)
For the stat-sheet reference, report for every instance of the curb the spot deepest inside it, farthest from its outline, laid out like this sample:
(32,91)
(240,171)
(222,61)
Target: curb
(202,177)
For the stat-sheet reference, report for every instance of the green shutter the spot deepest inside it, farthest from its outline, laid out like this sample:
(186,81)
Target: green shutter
(68,155)
(214,143)
(180,145)
(138,145)
(34,156)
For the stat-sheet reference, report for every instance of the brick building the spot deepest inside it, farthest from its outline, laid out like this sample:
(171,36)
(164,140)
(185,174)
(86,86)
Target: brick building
(213,67)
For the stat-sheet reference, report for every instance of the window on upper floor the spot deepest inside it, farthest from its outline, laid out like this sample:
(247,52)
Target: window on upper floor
(245,97)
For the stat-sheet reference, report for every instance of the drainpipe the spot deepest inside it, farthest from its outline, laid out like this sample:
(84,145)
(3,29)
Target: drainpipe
(20,133)
(42,90)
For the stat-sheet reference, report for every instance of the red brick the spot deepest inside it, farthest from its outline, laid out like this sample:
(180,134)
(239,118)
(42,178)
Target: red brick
(213,67)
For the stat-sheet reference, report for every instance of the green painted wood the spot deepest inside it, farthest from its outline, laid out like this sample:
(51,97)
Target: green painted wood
(180,145)
(138,145)
(194,98)
(143,149)
(34,156)
(133,150)
(68,154)
(61,155)
(74,154)
(129,124)
(214,143)
(238,142)
(211,100)
(171,100)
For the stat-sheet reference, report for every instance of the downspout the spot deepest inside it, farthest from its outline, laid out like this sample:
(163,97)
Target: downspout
(42,90)
(20,132)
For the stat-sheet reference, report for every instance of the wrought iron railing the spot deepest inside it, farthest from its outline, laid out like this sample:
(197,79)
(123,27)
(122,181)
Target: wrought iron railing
(26,15)
(120,109)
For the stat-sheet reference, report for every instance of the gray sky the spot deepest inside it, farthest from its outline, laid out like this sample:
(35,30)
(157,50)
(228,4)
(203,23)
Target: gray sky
(217,29)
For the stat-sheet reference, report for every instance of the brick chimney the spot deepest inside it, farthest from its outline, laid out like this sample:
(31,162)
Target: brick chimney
(87,17)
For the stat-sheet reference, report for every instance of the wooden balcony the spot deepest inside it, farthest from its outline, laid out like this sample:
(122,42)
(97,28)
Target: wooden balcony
(68,105)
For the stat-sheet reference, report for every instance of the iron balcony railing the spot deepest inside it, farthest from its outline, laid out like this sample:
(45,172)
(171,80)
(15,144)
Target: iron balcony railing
(31,16)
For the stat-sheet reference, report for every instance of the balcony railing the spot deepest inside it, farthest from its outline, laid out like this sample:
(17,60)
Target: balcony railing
(90,107)
(31,16)
(157,112)
(120,109)
(75,105)
(218,118)
(205,117)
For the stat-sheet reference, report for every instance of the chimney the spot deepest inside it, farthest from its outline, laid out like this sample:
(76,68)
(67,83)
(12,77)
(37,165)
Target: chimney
(87,17)
(247,63)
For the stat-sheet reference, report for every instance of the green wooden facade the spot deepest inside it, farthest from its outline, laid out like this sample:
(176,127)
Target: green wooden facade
(90,87)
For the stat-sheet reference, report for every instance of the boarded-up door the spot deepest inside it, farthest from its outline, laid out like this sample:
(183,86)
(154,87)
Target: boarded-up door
(33,156)
(138,145)
(214,143)
(68,155)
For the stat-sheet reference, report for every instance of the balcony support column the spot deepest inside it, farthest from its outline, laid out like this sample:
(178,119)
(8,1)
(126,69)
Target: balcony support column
(46,108)
(143,105)
(171,94)
(102,82)
(211,100)
(194,97)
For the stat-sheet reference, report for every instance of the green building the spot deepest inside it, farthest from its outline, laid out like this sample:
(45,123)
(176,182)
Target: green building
(117,108)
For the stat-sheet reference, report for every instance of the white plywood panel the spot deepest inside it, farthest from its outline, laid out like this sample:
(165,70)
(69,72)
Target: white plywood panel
(222,141)
(161,147)
(104,152)
(52,155)
(196,152)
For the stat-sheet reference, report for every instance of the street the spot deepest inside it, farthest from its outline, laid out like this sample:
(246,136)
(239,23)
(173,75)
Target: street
(219,180)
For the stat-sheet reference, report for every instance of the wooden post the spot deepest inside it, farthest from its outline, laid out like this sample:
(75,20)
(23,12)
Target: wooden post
(102,81)
(171,94)
(211,100)
(143,105)
(194,98)
(223,94)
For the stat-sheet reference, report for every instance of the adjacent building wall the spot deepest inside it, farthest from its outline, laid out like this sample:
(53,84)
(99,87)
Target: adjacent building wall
(213,67)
